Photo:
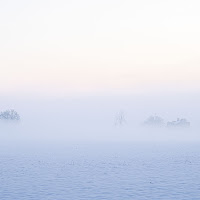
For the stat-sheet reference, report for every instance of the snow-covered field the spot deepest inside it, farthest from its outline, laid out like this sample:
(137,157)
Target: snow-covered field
(111,171)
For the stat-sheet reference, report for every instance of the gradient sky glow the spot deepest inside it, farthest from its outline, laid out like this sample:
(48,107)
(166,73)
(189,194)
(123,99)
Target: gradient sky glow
(64,47)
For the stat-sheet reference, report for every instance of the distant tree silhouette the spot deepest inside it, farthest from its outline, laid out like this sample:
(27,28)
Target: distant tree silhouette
(9,115)
(154,121)
(120,119)
(179,123)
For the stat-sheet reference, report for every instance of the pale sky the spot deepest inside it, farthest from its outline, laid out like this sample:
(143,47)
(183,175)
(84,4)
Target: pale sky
(89,47)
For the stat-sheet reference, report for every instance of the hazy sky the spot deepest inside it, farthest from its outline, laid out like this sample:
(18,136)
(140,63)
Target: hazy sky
(90,47)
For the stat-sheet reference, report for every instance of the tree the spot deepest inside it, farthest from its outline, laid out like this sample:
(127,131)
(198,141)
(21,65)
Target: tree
(120,119)
(9,115)
(154,121)
(183,123)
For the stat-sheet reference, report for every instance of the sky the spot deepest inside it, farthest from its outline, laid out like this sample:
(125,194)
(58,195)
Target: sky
(79,48)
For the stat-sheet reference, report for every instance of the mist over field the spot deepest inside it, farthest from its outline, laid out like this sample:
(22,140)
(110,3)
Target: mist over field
(70,67)
(99,100)
(92,118)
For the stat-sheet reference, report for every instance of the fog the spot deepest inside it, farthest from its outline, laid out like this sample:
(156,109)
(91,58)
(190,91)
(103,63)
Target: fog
(99,48)
(92,118)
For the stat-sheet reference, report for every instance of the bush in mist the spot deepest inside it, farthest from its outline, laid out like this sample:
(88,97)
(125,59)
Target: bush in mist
(179,123)
(9,115)
(154,121)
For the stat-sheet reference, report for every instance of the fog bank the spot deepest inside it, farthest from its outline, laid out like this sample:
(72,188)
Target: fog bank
(92,118)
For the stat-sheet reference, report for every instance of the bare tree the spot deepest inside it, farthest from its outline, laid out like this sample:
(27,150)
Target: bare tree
(120,119)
